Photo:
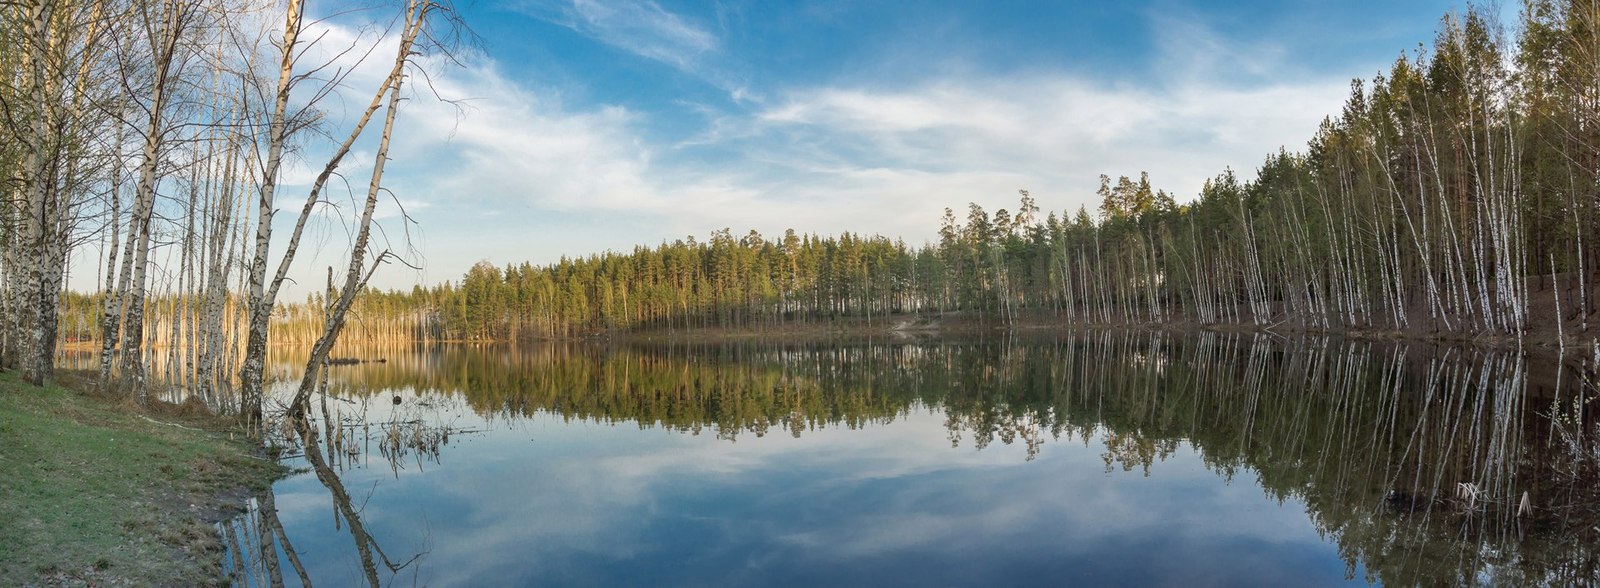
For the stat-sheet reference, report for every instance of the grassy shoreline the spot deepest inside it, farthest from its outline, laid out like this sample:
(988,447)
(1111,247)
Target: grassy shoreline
(99,491)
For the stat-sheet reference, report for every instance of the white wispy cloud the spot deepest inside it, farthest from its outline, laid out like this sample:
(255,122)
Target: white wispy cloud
(641,27)
(1190,52)
(826,158)
(650,31)
(895,157)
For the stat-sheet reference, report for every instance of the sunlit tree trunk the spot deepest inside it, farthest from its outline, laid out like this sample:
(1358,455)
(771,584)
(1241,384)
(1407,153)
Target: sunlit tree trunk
(357,274)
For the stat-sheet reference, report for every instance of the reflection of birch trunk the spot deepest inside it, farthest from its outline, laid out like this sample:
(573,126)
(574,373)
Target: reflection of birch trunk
(255,560)
(366,545)
(273,527)
(264,543)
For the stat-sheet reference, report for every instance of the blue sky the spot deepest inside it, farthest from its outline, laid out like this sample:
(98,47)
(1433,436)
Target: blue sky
(593,125)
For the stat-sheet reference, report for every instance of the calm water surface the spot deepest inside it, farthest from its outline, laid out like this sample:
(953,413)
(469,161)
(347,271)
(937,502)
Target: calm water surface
(1104,460)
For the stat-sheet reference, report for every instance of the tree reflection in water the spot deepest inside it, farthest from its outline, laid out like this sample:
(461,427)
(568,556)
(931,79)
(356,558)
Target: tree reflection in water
(1427,465)
(258,538)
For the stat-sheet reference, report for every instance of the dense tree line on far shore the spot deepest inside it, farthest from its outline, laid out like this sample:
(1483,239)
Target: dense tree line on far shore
(1459,192)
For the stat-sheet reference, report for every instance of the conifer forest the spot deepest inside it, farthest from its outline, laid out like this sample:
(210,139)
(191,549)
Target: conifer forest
(1456,195)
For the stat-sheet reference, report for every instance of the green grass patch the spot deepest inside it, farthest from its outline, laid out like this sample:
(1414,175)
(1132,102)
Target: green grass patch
(96,491)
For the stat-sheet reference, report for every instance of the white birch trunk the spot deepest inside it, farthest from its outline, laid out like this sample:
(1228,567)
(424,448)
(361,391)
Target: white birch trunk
(356,276)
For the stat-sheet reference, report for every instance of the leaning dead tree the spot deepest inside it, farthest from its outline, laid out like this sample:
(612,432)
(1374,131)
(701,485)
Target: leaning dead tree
(262,292)
(357,275)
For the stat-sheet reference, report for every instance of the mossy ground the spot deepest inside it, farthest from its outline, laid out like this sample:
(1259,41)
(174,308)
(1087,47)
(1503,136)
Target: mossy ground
(96,491)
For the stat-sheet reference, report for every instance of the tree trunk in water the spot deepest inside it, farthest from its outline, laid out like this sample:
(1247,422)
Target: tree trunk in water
(355,277)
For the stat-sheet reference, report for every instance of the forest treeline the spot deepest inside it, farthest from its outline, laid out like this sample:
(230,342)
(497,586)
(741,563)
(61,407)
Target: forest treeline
(1455,193)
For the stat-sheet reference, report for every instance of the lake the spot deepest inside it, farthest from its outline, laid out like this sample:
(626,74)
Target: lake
(1105,459)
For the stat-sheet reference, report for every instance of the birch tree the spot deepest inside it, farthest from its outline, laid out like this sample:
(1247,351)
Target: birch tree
(263,292)
(51,98)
